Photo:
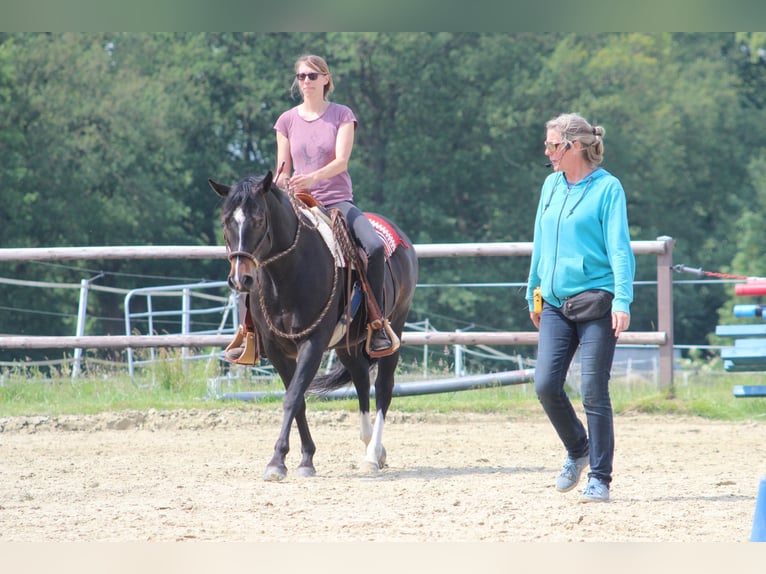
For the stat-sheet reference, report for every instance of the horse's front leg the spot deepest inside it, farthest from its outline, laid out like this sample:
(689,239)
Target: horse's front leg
(308,448)
(276,469)
(294,408)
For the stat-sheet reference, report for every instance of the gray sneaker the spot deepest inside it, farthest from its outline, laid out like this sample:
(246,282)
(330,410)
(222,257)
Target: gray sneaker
(596,491)
(570,473)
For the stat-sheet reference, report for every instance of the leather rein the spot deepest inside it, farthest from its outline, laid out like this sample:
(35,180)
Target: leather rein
(261,264)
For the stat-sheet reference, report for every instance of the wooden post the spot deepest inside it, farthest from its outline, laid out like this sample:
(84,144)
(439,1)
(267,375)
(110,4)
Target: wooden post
(665,313)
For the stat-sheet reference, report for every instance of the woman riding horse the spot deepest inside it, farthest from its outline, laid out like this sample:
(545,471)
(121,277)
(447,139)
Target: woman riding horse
(314,143)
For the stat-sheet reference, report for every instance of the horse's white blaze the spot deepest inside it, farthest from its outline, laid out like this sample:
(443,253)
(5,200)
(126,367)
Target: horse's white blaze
(239,218)
(375,448)
(365,428)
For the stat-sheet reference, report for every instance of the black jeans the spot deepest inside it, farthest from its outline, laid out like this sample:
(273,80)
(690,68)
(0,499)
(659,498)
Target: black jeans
(559,339)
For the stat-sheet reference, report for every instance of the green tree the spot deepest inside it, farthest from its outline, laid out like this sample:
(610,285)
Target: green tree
(97,161)
(109,139)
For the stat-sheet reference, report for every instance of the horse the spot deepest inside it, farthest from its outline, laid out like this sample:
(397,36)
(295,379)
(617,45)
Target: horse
(297,297)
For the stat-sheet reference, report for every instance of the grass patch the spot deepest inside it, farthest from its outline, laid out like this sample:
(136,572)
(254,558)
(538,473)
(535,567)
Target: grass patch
(175,384)
(707,394)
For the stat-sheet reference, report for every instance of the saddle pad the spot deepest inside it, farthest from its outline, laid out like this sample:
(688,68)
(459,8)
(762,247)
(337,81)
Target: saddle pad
(388,235)
(322,222)
(391,239)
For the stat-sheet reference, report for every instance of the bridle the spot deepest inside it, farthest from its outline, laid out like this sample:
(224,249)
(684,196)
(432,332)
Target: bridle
(261,264)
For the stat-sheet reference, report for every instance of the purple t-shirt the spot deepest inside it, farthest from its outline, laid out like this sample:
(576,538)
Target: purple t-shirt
(312,146)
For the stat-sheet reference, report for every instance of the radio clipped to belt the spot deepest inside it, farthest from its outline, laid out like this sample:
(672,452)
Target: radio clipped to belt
(538,300)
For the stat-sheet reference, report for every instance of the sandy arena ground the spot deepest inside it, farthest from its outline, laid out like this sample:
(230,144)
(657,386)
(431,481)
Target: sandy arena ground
(196,475)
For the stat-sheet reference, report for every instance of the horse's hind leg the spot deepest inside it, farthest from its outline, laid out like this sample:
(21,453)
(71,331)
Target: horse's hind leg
(375,457)
(359,367)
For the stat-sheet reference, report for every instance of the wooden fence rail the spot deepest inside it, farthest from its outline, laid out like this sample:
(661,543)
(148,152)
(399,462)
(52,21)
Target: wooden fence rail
(501,249)
(663,337)
(408,338)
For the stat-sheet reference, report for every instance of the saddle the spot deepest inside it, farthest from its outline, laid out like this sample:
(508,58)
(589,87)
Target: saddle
(356,258)
(334,230)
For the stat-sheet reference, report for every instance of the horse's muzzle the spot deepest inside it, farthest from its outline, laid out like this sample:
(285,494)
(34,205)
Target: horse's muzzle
(241,285)
(241,275)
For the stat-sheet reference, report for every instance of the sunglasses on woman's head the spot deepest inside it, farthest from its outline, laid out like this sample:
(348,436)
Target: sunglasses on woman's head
(311,76)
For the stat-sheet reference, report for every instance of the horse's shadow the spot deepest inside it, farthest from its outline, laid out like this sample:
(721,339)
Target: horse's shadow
(433,472)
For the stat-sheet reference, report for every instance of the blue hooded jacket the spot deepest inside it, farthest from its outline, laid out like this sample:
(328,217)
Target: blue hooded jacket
(582,241)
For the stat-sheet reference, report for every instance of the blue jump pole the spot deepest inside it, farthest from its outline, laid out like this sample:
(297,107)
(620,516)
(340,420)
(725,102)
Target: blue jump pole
(748,311)
(410,389)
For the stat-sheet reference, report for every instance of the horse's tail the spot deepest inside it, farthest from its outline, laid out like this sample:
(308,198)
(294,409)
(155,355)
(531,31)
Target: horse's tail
(325,383)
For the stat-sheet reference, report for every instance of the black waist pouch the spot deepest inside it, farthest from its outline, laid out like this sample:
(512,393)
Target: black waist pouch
(588,305)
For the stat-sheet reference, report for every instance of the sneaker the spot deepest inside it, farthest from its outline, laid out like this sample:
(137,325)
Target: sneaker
(570,473)
(596,491)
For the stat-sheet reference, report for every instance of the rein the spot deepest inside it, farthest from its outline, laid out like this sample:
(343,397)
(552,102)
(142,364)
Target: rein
(261,264)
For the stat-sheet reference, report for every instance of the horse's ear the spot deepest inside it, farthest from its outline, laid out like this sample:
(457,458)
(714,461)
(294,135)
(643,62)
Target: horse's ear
(267,181)
(219,188)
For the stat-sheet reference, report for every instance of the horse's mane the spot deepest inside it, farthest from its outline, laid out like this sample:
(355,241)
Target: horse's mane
(245,195)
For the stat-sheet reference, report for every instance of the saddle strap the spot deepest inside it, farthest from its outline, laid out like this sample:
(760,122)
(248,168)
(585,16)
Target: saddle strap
(342,235)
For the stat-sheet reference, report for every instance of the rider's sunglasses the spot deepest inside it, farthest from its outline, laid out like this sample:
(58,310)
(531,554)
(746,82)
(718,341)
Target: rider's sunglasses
(311,76)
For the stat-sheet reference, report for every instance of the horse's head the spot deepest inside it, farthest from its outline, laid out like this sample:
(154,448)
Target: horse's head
(246,227)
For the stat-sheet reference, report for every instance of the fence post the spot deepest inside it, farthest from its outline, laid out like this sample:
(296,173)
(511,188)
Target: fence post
(81,317)
(665,312)
(185,318)
(425,351)
(458,358)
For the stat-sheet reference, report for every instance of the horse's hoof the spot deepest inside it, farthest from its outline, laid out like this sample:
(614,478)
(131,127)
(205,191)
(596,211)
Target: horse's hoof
(369,468)
(274,474)
(305,471)
(382,458)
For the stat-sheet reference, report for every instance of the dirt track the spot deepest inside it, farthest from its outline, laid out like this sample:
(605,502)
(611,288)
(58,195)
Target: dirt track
(196,475)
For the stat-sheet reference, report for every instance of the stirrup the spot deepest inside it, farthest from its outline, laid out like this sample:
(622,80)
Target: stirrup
(250,354)
(395,342)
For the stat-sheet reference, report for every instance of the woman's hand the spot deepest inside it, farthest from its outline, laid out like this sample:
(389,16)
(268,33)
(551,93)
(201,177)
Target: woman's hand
(535,319)
(301,183)
(283,182)
(620,322)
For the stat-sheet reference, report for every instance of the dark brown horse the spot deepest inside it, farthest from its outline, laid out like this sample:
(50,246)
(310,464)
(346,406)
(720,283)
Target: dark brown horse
(297,298)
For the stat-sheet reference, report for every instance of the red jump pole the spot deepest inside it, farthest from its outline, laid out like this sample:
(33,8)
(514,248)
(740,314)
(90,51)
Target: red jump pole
(751,288)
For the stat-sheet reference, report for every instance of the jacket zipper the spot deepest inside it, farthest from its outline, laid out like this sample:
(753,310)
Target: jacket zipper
(556,253)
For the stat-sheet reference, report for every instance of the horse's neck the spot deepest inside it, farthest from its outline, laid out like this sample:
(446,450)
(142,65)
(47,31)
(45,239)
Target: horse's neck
(283,221)
(304,242)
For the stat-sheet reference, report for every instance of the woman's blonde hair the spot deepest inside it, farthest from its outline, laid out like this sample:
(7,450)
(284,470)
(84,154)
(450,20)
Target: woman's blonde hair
(315,63)
(574,128)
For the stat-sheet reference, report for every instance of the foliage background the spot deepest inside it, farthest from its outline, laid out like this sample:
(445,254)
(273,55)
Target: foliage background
(109,138)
